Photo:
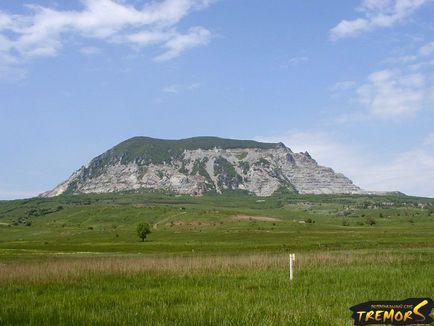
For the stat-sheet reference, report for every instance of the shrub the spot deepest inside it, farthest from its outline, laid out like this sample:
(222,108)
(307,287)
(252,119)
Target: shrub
(143,229)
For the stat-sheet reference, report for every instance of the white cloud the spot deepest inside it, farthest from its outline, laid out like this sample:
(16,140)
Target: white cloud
(427,49)
(355,117)
(12,74)
(391,93)
(90,50)
(171,89)
(417,59)
(5,21)
(349,28)
(145,38)
(182,42)
(429,140)
(294,61)
(322,148)
(193,86)
(44,31)
(343,86)
(175,89)
(411,171)
(376,13)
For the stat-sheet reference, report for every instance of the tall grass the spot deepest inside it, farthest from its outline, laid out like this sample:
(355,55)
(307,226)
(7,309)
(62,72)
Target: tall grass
(64,269)
(225,290)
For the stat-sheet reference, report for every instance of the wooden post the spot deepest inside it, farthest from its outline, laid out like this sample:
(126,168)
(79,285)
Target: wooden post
(291,266)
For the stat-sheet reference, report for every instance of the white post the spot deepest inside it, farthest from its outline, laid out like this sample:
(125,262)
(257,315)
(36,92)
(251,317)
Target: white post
(291,266)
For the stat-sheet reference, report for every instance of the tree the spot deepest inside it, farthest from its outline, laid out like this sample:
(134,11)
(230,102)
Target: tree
(143,229)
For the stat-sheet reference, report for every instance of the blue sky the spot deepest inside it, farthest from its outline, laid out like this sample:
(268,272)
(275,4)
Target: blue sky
(352,82)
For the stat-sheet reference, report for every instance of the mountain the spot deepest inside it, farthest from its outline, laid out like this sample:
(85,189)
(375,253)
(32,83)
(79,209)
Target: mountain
(201,164)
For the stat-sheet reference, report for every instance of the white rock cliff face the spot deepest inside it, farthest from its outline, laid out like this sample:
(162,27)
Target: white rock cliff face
(260,171)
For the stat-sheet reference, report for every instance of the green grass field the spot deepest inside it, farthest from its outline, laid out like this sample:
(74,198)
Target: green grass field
(212,260)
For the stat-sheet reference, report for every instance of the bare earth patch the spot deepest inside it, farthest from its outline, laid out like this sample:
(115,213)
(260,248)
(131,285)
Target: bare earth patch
(188,223)
(254,218)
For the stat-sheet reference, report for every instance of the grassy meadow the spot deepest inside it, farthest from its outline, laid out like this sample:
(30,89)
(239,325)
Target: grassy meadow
(212,260)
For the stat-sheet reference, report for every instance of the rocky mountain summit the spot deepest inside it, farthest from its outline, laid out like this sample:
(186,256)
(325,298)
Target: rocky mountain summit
(201,164)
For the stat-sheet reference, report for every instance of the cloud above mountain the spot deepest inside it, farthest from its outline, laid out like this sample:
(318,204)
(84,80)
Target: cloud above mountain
(45,31)
(391,93)
(376,14)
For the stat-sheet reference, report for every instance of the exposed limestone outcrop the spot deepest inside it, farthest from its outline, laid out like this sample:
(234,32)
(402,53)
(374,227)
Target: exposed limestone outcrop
(261,170)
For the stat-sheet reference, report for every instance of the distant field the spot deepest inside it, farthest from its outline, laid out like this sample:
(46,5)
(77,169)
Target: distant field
(214,260)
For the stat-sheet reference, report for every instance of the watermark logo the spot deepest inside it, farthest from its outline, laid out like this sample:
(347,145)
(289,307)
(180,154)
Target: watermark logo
(405,312)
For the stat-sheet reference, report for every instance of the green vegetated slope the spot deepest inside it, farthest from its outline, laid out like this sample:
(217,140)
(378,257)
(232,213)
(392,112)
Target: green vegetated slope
(214,224)
(151,150)
(211,260)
